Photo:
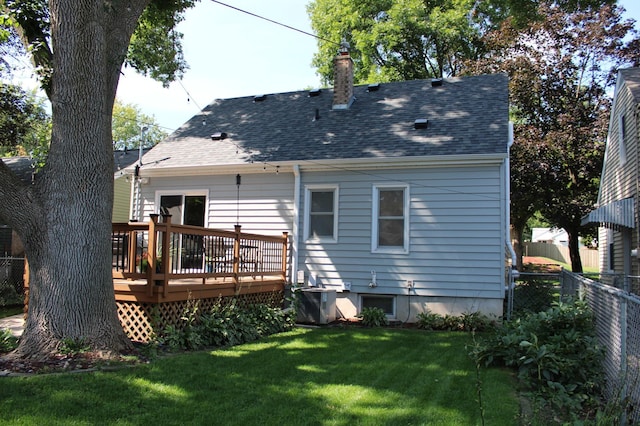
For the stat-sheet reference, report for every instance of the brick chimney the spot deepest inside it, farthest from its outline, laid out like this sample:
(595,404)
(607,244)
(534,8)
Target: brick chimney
(343,78)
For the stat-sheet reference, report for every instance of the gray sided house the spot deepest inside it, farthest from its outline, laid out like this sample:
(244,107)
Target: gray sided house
(395,195)
(617,210)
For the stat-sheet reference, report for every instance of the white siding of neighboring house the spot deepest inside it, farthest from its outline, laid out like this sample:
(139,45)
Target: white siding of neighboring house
(618,180)
(121,200)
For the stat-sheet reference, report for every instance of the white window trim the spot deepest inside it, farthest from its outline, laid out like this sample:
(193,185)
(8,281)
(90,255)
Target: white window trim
(308,189)
(621,138)
(190,192)
(374,220)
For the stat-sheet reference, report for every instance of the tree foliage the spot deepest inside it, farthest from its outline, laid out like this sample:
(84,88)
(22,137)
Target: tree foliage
(560,68)
(24,123)
(130,128)
(395,40)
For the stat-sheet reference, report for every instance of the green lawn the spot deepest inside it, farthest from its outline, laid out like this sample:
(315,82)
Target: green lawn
(328,376)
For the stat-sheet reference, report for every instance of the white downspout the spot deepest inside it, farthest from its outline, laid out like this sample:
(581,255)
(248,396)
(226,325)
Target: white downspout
(295,232)
(514,258)
(513,273)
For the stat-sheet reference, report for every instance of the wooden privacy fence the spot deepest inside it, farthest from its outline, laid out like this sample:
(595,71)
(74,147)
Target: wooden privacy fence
(590,257)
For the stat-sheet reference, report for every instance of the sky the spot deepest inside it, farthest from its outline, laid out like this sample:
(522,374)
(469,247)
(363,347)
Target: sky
(230,54)
(233,54)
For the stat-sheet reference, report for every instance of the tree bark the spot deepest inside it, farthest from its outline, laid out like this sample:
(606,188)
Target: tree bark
(574,249)
(64,219)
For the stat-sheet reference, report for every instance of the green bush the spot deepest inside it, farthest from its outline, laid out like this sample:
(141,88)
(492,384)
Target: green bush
(555,352)
(225,325)
(8,341)
(373,317)
(471,321)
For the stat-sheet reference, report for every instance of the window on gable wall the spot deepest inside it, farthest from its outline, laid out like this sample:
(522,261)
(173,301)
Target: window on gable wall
(321,214)
(622,132)
(390,231)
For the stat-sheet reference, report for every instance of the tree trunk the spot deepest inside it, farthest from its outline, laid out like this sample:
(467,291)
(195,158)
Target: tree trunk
(67,230)
(574,250)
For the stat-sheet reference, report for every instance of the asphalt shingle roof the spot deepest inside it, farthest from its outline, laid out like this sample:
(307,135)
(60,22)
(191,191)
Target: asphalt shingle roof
(466,115)
(631,77)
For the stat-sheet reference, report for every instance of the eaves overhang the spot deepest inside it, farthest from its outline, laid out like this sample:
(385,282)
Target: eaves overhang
(328,165)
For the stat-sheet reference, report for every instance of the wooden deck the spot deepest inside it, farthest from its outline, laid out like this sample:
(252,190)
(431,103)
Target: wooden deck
(198,263)
(160,270)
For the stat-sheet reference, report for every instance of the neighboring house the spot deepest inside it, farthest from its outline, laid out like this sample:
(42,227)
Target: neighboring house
(10,244)
(395,195)
(550,236)
(123,189)
(22,166)
(617,209)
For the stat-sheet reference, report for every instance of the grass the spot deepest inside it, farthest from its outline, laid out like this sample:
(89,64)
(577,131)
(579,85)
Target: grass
(328,376)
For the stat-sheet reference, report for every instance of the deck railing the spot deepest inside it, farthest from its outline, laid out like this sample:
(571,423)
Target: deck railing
(161,253)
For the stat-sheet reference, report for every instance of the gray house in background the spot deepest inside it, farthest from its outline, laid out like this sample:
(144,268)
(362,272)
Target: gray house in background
(617,211)
(395,195)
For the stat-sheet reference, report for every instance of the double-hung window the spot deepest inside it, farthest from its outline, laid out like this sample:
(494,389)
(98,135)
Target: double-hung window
(390,219)
(321,213)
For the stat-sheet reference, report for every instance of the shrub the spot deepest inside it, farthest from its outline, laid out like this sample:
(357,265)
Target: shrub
(8,341)
(555,352)
(373,317)
(225,325)
(471,321)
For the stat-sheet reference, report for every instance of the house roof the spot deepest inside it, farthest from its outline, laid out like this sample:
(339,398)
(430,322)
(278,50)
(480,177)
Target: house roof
(465,116)
(631,77)
(22,165)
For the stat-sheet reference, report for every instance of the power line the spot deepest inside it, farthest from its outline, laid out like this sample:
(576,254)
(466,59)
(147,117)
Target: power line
(276,22)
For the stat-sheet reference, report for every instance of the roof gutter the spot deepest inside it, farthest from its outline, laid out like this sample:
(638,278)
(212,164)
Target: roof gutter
(431,161)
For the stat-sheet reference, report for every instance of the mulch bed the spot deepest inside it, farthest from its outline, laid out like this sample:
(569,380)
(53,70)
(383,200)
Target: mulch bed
(78,362)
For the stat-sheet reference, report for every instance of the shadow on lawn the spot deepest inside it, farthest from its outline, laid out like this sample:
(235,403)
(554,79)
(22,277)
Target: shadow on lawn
(307,376)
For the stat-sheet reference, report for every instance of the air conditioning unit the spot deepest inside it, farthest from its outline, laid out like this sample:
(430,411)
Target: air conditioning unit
(316,305)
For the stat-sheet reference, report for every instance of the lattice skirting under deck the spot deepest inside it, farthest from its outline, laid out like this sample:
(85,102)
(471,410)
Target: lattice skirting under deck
(142,320)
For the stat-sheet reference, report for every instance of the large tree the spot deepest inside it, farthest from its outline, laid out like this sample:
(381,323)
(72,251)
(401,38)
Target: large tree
(560,68)
(395,40)
(63,218)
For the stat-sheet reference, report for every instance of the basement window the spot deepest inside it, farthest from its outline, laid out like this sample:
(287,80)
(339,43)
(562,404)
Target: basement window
(386,303)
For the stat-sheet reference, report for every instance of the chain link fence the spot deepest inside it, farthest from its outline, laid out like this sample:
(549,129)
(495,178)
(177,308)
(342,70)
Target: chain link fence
(11,281)
(532,292)
(617,317)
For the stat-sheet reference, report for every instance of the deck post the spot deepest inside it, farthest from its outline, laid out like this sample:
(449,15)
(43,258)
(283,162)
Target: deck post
(166,266)
(236,257)
(283,267)
(152,250)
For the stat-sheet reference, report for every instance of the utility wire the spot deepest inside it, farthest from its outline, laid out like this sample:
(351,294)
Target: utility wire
(276,22)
